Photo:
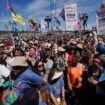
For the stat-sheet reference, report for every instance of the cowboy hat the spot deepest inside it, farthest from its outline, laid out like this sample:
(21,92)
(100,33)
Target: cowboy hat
(61,49)
(80,46)
(57,74)
(19,61)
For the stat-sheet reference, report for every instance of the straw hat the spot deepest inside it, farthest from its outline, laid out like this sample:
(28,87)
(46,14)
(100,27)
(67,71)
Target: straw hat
(60,49)
(80,46)
(55,46)
(57,75)
(19,61)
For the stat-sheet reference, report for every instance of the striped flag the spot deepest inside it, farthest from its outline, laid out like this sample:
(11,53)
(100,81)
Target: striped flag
(15,17)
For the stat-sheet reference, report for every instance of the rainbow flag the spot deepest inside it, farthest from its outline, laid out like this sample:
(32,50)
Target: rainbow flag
(15,17)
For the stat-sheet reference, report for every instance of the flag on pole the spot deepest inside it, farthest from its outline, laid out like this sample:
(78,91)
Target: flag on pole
(58,22)
(18,19)
(62,14)
(15,17)
(9,7)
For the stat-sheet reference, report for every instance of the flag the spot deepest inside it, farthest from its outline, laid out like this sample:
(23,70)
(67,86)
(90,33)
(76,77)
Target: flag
(62,14)
(15,17)
(43,24)
(9,7)
(58,22)
(18,19)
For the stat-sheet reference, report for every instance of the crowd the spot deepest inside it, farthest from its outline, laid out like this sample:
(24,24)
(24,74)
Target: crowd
(53,70)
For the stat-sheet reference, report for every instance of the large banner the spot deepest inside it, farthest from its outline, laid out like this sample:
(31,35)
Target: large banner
(100,20)
(71,16)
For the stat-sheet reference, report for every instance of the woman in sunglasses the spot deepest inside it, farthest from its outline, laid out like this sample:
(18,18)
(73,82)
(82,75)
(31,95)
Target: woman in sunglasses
(43,89)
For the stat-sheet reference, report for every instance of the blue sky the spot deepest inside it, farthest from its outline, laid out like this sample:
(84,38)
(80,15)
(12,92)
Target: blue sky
(41,8)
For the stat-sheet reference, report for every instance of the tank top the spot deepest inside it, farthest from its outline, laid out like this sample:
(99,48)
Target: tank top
(74,74)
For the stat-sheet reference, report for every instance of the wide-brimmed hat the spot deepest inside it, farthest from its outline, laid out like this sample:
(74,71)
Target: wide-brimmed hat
(80,46)
(19,61)
(55,46)
(60,49)
(57,74)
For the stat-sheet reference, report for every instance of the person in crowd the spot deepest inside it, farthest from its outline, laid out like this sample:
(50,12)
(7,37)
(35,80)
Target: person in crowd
(18,52)
(87,57)
(56,87)
(97,87)
(43,89)
(61,59)
(4,76)
(93,74)
(75,78)
(31,59)
(22,90)
(48,63)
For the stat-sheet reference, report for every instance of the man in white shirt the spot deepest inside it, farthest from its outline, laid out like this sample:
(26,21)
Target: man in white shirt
(4,73)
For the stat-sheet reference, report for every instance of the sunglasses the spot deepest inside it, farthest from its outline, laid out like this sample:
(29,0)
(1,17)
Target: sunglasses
(40,65)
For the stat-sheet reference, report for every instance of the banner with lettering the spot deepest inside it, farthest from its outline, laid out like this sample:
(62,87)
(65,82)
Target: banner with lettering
(71,16)
(100,20)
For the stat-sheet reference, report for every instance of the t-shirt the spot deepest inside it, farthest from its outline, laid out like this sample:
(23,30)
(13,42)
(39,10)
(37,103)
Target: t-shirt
(56,88)
(70,57)
(4,72)
(48,66)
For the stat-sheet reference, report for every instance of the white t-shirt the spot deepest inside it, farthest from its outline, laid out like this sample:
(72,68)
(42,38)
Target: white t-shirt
(4,72)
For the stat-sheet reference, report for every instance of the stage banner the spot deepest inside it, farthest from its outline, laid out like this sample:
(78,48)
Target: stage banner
(100,21)
(71,16)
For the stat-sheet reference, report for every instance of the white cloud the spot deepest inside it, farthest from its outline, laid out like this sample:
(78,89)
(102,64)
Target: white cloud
(36,6)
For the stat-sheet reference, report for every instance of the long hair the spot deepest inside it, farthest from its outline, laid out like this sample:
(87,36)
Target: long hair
(35,68)
(75,61)
(51,74)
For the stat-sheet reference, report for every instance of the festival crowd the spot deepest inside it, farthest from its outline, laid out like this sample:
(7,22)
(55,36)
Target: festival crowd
(53,70)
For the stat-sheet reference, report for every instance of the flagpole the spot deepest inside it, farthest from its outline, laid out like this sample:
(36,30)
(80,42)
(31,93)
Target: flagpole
(9,30)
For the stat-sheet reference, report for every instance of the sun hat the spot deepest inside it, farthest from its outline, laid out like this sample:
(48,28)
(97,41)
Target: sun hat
(19,61)
(80,46)
(57,74)
(60,49)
